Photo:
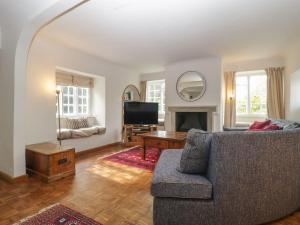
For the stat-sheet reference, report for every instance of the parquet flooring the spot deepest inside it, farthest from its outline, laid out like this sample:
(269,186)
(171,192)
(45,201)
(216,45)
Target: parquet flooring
(109,193)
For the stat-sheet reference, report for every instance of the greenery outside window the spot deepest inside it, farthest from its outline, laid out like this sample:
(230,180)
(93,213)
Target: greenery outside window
(251,94)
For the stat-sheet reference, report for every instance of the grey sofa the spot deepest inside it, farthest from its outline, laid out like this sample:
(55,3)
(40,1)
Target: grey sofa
(252,178)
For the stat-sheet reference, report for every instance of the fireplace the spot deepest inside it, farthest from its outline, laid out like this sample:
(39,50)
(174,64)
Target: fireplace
(183,118)
(188,120)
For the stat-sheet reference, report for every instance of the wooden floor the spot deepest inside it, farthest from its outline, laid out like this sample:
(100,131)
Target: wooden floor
(109,193)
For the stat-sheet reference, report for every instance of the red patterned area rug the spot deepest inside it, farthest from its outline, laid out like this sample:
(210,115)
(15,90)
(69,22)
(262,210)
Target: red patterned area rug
(58,215)
(132,157)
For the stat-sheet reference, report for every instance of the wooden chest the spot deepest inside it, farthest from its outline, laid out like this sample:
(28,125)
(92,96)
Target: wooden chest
(50,161)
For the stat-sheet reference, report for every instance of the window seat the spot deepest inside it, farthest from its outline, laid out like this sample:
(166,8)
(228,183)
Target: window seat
(92,129)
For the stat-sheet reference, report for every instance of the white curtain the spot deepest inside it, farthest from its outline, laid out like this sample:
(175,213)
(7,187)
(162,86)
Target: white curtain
(275,93)
(230,101)
(143,87)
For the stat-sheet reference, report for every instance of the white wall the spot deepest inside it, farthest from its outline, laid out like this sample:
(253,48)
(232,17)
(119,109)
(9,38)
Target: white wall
(211,69)
(259,64)
(153,76)
(98,100)
(292,74)
(44,57)
(19,21)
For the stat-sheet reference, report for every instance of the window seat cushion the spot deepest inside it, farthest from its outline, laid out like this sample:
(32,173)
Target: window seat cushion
(80,133)
(64,134)
(84,132)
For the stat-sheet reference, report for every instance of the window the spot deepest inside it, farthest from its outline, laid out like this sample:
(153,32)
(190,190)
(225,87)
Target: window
(156,93)
(74,100)
(251,93)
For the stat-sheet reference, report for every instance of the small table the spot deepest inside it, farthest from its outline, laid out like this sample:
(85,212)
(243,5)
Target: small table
(163,140)
(50,161)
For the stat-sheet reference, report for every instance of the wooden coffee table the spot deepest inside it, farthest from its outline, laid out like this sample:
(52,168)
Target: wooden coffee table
(163,140)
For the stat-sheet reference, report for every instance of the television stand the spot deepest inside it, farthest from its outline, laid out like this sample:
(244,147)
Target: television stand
(131,134)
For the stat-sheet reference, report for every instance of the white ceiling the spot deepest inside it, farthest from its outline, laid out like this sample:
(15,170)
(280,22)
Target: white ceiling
(148,34)
(10,11)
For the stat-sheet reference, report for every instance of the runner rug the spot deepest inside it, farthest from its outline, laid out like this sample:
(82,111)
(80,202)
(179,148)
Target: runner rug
(132,157)
(57,215)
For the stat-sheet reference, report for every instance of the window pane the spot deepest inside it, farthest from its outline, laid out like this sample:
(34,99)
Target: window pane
(241,94)
(84,109)
(84,92)
(65,90)
(65,110)
(79,109)
(258,95)
(79,100)
(71,90)
(65,101)
(71,100)
(71,110)
(84,101)
(156,93)
(79,91)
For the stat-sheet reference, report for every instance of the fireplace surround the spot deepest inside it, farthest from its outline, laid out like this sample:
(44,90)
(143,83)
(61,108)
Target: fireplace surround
(197,119)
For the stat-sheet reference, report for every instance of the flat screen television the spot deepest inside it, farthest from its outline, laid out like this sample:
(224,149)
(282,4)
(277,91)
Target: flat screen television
(143,113)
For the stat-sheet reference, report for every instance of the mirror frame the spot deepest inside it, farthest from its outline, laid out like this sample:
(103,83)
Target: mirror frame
(203,91)
(134,87)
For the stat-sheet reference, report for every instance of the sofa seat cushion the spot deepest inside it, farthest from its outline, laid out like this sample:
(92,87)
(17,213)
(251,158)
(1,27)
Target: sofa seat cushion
(168,182)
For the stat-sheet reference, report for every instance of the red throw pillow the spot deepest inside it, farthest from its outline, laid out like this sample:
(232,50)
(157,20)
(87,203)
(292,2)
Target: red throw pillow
(263,126)
(271,127)
(259,125)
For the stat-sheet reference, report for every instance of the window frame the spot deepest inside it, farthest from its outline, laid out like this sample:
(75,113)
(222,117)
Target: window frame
(162,89)
(248,75)
(75,102)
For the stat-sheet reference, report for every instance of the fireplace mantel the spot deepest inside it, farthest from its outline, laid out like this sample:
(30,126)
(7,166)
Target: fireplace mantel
(209,109)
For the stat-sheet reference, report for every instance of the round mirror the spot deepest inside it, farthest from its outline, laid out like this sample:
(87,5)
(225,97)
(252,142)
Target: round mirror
(191,86)
(131,93)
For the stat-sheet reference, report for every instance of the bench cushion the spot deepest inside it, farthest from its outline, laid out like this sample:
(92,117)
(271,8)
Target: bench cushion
(168,182)
(80,133)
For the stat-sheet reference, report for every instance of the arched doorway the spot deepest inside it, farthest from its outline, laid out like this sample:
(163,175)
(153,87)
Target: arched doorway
(20,72)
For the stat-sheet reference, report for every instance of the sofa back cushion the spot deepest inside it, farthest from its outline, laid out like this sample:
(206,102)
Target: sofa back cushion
(194,158)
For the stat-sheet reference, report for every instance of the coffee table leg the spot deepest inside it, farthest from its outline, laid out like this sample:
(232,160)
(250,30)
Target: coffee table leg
(144,152)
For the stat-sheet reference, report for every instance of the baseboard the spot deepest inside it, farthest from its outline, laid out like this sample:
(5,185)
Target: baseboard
(11,179)
(97,149)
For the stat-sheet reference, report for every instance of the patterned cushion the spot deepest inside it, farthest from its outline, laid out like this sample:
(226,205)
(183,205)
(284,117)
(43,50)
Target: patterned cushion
(83,123)
(72,123)
(77,123)
(286,124)
(195,155)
